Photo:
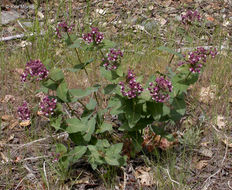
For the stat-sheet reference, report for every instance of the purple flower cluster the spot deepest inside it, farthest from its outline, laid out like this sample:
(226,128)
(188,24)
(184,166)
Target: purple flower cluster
(132,88)
(93,36)
(190,17)
(63,27)
(34,68)
(48,105)
(196,58)
(24,112)
(160,90)
(111,61)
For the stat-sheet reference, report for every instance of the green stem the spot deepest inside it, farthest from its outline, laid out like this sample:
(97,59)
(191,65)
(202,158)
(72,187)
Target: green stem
(170,61)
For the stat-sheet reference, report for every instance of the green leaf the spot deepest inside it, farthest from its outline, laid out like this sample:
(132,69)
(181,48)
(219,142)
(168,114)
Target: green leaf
(60,148)
(112,155)
(92,104)
(116,103)
(169,50)
(75,44)
(109,88)
(105,127)
(80,93)
(95,158)
(56,123)
(156,109)
(50,84)
(132,112)
(102,143)
(178,108)
(108,44)
(75,125)
(69,39)
(90,129)
(76,153)
(62,91)
(109,75)
(56,74)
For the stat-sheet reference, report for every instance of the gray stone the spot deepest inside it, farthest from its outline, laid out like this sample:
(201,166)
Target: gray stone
(9,16)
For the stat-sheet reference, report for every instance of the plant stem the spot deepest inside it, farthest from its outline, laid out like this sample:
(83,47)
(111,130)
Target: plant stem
(170,61)
(90,82)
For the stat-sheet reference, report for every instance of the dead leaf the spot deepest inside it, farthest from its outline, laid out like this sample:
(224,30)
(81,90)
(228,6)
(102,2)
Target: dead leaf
(144,175)
(25,123)
(227,142)
(220,122)
(205,144)
(207,94)
(7,117)
(8,98)
(84,180)
(201,164)
(4,158)
(209,18)
(10,138)
(14,124)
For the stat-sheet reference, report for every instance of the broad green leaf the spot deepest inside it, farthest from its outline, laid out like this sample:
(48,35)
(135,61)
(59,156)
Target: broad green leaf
(56,123)
(56,74)
(102,143)
(90,128)
(113,154)
(132,113)
(105,127)
(116,104)
(92,104)
(108,44)
(156,109)
(80,93)
(95,156)
(75,125)
(77,153)
(109,88)
(60,148)
(75,44)
(178,108)
(109,75)
(62,91)
(50,84)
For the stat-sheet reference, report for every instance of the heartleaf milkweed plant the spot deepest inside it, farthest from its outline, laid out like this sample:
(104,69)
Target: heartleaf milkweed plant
(136,104)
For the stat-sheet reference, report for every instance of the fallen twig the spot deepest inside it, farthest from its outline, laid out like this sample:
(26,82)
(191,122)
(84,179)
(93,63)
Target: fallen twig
(64,134)
(18,36)
(173,181)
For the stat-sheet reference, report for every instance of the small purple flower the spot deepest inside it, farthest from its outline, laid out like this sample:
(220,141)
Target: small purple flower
(111,60)
(160,90)
(48,105)
(24,112)
(197,58)
(190,17)
(34,68)
(131,89)
(93,36)
(63,27)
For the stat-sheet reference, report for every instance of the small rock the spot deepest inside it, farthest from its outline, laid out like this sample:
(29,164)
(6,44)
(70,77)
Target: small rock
(9,16)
